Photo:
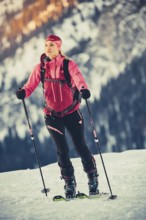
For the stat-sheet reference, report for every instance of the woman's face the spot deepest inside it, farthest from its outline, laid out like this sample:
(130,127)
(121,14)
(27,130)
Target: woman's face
(51,49)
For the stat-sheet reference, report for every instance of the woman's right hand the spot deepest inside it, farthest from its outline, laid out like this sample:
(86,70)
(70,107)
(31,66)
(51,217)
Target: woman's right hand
(20,94)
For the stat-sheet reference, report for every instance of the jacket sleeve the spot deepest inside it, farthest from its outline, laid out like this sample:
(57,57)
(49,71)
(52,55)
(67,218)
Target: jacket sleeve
(76,76)
(33,81)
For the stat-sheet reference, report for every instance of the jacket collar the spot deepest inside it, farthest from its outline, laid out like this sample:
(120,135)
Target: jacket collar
(58,59)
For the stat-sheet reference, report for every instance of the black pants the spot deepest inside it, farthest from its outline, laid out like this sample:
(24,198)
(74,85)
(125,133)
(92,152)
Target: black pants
(75,125)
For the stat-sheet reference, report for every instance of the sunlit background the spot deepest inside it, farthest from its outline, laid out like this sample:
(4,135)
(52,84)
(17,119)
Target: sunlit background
(107,40)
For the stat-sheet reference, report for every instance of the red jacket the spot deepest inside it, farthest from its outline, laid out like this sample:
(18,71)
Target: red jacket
(57,96)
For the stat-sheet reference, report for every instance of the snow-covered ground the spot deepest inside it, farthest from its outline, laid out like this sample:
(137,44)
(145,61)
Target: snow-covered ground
(21,199)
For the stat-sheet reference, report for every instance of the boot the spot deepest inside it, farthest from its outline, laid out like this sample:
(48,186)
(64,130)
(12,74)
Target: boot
(93,183)
(70,187)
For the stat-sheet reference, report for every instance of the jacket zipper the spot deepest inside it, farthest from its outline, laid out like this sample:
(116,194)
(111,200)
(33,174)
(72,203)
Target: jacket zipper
(60,87)
(53,91)
(57,88)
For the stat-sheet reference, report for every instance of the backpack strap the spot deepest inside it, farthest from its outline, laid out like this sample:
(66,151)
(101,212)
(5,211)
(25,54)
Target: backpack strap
(42,70)
(42,74)
(66,71)
(75,92)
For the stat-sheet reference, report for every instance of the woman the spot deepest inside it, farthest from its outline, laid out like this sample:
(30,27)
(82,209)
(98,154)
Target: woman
(62,111)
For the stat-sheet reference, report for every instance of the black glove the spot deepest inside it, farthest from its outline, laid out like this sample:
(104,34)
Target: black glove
(85,93)
(20,94)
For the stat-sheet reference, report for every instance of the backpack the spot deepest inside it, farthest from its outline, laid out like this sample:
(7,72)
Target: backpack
(65,71)
(76,93)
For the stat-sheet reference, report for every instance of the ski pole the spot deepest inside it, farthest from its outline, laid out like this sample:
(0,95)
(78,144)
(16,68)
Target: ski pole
(45,190)
(98,146)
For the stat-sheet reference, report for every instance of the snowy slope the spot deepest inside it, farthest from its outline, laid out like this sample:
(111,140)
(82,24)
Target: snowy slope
(20,196)
(103,37)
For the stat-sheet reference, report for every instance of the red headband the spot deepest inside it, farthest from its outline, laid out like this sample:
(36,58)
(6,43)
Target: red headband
(57,40)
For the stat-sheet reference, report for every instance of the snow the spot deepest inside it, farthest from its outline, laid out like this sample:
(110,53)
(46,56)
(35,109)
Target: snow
(21,199)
